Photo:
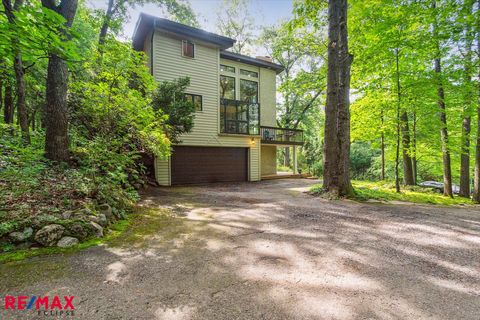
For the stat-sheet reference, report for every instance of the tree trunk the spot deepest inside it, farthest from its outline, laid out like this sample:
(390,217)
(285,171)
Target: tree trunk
(465,158)
(447,171)
(1,94)
(105,25)
(8,104)
(382,150)
(476,180)
(399,105)
(336,178)
(414,145)
(19,72)
(467,119)
(286,158)
(56,137)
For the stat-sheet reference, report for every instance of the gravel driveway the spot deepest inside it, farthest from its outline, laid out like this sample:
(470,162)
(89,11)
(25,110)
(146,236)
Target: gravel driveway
(268,251)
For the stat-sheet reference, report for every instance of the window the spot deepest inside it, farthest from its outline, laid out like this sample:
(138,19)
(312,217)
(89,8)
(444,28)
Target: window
(249,74)
(225,68)
(227,87)
(196,100)
(188,49)
(239,117)
(248,91)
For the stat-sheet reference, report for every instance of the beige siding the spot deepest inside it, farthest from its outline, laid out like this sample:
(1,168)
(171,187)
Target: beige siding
(268,97)
(203,70)
(147,46)
(162,171)
(269,160)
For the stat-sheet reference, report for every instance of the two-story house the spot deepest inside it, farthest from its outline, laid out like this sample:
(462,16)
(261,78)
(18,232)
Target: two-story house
(234,137)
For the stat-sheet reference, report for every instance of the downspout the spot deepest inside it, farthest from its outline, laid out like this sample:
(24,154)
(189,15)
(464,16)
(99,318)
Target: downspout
(151,46)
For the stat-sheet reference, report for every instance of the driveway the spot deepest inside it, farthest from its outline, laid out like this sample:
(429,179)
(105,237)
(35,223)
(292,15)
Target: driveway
(267,250)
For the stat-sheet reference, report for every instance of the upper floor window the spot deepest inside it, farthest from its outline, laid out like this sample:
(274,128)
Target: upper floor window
(248,91)
(227,87)
(225,68)
(188,49)
(250,74)
(196,100)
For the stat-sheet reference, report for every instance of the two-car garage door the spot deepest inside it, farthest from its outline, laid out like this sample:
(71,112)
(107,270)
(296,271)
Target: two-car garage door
(208,164)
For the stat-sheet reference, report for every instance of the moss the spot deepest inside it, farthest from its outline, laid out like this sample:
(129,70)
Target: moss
(385,191)
(115,230)
(24,272)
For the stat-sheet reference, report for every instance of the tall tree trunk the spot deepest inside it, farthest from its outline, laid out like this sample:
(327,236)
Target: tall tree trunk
(407,159)
(105,25)
(414,145)
(8,104)
(56,137)
(336,178)
(286,158)
(399,105)
(19,72)
(1,94)
(382,149)
(476,180)
(467,119)
(447,170)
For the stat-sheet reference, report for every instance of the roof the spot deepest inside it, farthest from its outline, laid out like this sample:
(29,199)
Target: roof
(148,22)
(249,60)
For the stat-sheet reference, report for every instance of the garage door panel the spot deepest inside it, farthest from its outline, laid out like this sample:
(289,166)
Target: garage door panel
(208,164)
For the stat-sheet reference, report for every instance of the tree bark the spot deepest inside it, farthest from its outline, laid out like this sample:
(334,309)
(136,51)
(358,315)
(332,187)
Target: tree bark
(56,137)
(286,158)
(8,104)
(336,178)
(414,146)
(399,105)
(382,150)
(476,179)
(447,170)
(467,119)
(19,72)
(105,24)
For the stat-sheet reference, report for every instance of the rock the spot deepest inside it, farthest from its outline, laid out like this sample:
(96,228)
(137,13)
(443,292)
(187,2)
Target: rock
(67,242)
(93,219)
(67,215)
(17,237)
(102,220)
(98,229)
(106,210)
(80,230)
(49,234)
(23,245)
(84,212)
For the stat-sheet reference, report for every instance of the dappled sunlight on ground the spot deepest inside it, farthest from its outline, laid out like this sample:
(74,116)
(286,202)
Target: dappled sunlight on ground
(269,251)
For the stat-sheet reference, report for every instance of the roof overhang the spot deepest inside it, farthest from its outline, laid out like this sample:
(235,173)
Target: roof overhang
(252,61)
(147,23)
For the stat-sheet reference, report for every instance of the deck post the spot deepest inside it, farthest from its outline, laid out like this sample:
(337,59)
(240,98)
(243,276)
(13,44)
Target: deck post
(295,169)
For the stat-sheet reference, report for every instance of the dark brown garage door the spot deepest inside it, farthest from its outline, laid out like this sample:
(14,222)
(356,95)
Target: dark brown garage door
(208,164)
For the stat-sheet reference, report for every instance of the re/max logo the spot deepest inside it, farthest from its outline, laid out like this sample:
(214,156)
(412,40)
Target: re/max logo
(39,303)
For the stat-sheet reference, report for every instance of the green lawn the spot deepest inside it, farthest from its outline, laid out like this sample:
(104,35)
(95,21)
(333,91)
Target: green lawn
(385,191)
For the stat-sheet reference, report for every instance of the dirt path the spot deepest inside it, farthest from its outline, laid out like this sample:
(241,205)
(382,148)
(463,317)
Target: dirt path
(268,251)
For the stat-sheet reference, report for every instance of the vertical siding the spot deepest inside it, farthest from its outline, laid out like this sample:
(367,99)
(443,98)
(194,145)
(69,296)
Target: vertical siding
(268,97)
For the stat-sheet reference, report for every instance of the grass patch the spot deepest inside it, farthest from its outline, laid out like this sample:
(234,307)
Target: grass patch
(385,191)
(114,232)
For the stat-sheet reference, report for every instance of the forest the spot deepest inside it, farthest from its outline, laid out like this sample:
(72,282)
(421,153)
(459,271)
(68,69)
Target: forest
(82,117)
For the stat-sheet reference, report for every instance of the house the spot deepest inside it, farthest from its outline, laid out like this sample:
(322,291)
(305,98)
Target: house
(234,137)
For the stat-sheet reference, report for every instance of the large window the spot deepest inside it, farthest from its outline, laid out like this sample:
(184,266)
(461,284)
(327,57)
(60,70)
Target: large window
(196,100)
(239,117)
(250,74)
(227,87)
(248,91)
(188,49)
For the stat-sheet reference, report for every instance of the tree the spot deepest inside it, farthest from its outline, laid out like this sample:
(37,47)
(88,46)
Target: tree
(117,11)
(56,138)
(234,21)
(19,70)
(336,177)
(476,184)
(169,99)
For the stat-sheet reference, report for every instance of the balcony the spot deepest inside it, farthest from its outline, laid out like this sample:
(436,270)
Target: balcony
(239,117)
(284,136)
